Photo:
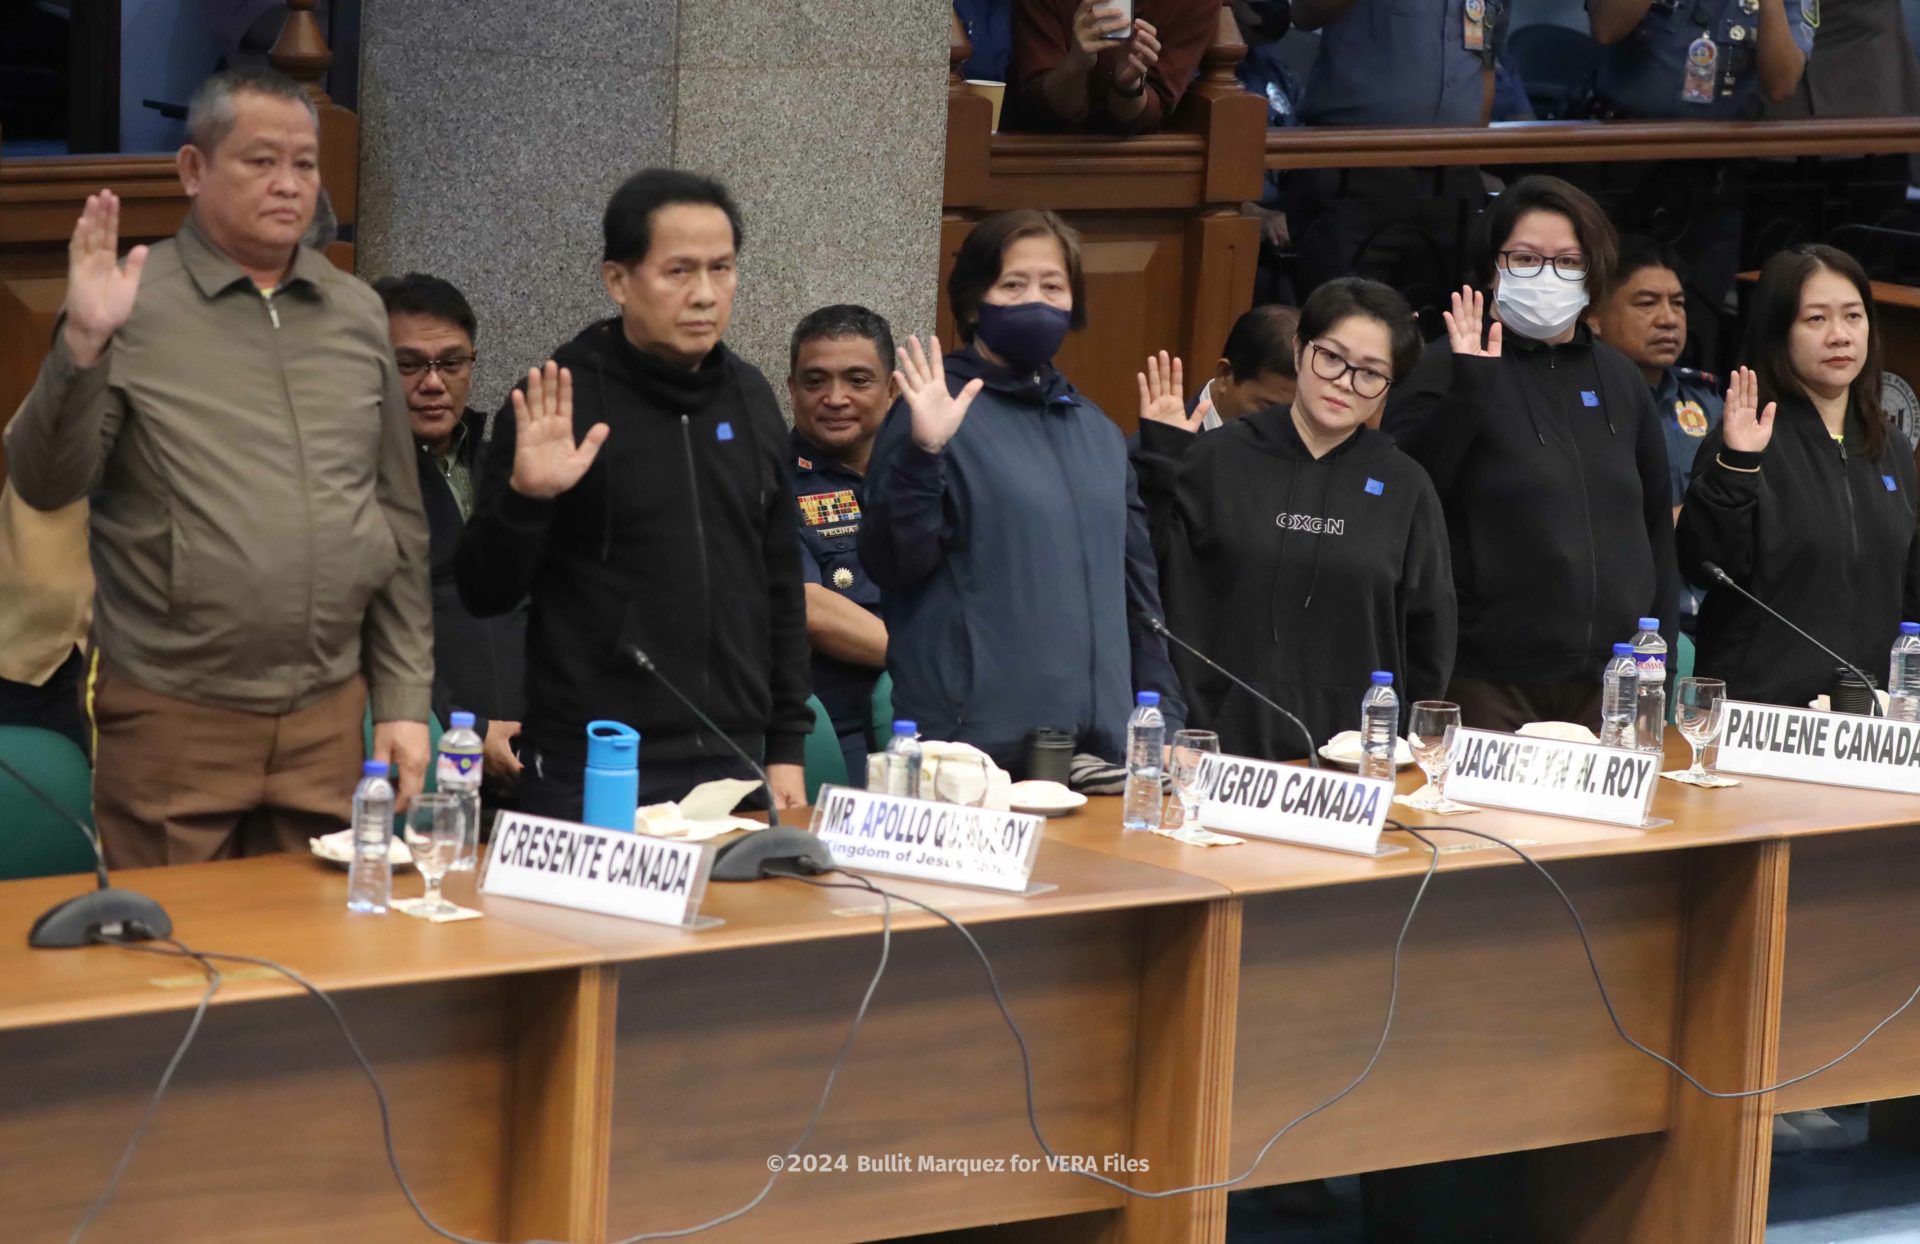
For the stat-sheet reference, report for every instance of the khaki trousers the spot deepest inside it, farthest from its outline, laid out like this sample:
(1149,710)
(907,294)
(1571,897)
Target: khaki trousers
(179,783)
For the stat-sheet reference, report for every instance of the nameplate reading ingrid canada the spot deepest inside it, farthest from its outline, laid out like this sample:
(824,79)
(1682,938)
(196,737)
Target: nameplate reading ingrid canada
(598,870)
(1285,803)
(1839,749)
(1557,777)
(871,832)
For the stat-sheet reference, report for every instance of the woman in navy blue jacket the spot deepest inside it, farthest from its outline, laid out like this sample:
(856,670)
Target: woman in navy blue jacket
(1002,522)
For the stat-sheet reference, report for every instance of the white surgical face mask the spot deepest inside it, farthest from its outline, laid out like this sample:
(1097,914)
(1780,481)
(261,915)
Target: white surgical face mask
(1541,306)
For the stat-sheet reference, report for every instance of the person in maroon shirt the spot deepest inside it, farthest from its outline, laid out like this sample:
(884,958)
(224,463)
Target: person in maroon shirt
(1066,73)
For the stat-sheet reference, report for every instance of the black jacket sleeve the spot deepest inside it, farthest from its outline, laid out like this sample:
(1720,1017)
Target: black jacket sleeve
(1656,490)
(907,521)
(1434,415)
(1157,458)
(1719,522)
(790,659)
(505,541)
(1429,614)
(1152,669)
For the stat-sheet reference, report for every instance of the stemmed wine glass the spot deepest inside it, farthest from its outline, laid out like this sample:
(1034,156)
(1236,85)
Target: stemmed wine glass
(1430,734)
(1184,757)
(1697,708)
(434,827)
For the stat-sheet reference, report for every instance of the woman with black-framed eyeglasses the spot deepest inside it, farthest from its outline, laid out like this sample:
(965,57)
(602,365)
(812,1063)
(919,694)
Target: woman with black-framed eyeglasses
(1297,545)
(1549,459)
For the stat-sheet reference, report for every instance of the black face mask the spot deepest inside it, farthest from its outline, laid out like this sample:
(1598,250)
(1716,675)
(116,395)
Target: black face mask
(1270,20)
(1026,334)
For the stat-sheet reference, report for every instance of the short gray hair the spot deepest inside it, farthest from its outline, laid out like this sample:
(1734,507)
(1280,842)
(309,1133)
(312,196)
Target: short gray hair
(211,114)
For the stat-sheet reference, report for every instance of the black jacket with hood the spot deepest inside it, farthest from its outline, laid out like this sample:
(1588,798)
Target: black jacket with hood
(1301,575)
(680,540)
(1551,466)
(1824,532)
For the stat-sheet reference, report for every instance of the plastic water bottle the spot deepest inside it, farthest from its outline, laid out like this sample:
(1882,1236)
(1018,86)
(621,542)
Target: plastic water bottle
(457,772)
(903,760)
(1903,678)
(1619,698)
(370,876)
(1146,731)
(1650,660)
(1379,727)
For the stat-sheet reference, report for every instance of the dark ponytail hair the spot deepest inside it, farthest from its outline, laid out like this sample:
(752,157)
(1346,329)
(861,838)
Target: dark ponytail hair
(1776,306)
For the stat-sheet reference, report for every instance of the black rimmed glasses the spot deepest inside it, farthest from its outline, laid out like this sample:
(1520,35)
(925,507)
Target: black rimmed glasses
(1529,263)
(1330,367)
(453,366)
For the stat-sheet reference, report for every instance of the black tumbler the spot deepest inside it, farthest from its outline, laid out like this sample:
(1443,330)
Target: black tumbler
(1049,755)
(1847,694)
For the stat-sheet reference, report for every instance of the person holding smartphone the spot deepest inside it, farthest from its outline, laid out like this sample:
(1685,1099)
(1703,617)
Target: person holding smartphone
(1113,65)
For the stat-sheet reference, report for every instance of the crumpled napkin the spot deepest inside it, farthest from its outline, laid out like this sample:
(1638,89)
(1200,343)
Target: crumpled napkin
(706,812)
(1446,807)
(932,752)
(1710,781)
(1195,836)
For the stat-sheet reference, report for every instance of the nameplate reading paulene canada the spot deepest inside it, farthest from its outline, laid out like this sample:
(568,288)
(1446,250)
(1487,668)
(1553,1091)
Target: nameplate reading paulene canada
(871,832)
(1557,777)
(1285,803)
(1839,749)
(598,870)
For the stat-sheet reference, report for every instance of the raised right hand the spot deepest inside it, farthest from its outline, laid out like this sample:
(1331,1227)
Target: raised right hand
(1092,22)
(100,292)
(1463,325)
(546,462)
(1746,427)
(922,378)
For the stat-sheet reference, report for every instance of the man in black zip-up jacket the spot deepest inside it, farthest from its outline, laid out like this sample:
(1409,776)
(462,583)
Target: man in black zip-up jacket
(641,498)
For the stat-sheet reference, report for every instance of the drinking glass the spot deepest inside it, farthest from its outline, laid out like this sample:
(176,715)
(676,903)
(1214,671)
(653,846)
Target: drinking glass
(434,827)
(1697,703)
(1430,735)
(1184,757)
(962,780)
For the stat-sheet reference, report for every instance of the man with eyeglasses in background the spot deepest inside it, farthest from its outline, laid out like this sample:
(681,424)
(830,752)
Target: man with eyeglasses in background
(479,663)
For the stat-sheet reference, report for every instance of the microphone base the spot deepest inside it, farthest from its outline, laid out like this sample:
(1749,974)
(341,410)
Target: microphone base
(82,921)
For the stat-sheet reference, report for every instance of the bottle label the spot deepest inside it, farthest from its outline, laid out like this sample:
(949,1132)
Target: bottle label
(1651,666)
(459,768)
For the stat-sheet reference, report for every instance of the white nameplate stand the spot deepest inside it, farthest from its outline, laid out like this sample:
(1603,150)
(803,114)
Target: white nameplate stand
(1554,777)
(1287,803)
(1806,745)
(609,871)
(979,848)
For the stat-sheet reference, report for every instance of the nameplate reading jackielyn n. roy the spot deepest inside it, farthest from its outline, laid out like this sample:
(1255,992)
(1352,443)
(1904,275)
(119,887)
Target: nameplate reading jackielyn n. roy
(1285,803)
(870,832)
(1558,777)
(1839,749)
(600,870)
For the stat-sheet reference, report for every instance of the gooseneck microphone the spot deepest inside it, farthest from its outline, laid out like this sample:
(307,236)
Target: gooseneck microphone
(1726,580)
(645,662)
(107,913)
(1160,628)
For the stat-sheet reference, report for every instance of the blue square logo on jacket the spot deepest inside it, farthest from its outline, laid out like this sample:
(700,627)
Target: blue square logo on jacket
(1375,487)
(1888,481)
(1589,398)
(724,432)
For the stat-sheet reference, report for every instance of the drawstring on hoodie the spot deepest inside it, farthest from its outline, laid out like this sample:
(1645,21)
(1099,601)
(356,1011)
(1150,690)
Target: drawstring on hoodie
(606,494)
(1320,539)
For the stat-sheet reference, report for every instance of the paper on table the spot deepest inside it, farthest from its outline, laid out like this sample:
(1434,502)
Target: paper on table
(1194,836)
(706,812)
(1709,781)
(1446,807)
(416,907)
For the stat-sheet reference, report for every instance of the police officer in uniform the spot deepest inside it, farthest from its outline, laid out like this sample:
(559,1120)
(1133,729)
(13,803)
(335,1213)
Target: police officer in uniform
(1644,317)
(840,379)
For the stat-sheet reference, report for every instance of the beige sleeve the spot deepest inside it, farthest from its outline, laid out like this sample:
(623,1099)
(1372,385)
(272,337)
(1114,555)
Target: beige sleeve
(397,637)
(58,441)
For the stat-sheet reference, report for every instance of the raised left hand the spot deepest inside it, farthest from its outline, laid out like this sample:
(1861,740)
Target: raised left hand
(1162,395)
(407,746)
(789,783)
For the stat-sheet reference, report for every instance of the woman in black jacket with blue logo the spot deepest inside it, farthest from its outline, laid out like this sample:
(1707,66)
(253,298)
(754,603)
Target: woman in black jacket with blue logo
(1804,495)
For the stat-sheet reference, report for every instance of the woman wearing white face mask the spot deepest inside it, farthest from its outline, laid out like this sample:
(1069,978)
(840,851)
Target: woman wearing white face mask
(1550,463)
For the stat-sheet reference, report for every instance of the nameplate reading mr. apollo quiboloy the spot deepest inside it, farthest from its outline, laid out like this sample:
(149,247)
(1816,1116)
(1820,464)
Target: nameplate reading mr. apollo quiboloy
(601,870)
(1557,777)
(1285,803)
(870,832)
(1839,749)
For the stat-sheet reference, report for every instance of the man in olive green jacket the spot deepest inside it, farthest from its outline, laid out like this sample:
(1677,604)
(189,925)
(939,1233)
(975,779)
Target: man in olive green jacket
(228,402)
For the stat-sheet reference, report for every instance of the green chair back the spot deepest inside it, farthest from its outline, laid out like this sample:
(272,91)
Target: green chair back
(36,841)
(882,711)
(1682,668)
(434,731)
(826,764)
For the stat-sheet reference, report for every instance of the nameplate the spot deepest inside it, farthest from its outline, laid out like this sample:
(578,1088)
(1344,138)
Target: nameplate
(1286,803)
(600,870)
(1556,777)
(870,832)
(1803,745)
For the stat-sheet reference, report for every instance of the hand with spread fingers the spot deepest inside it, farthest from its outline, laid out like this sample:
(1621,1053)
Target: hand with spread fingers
(546,462)
(922,379)
(1161,395)
(100,290)
(1748,429)
(1463,325)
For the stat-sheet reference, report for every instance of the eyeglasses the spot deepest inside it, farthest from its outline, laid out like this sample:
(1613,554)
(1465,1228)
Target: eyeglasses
(1330,366)
(452,367)
(1529,263)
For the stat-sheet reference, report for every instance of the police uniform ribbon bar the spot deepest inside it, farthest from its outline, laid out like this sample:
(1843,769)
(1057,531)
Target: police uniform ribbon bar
(1556,777)
(891,834)
(1286,803)
(1803,745)
(599,870)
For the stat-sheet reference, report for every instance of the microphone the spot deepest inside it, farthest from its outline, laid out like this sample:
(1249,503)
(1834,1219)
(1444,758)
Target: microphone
(107,913)
(1726,580)
(645,662)
(1160,628)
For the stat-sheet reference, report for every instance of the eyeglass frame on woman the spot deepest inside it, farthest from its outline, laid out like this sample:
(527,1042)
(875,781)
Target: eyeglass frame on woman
(411,368)
(1357,371)
(1545,262)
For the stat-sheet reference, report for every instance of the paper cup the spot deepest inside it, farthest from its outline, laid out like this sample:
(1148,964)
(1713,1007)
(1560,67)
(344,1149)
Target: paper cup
(993,92)
(1126,11)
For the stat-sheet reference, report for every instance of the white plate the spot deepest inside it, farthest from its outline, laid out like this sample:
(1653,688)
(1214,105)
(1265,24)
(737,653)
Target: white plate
(1042,798)
(1343,749)
(337,848)
(1565,731)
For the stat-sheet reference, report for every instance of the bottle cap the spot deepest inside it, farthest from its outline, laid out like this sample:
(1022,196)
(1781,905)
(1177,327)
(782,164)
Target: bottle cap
(460,721)
(1623,650)
(1383,678)
(611,745)
(1148,699)
(376,768)
(904,726)
(1649,624)
(1910,628)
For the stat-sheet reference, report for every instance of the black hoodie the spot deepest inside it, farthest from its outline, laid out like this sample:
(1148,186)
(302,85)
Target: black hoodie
(1821,531)
(692,557)
(1551,465)
(1301,575)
